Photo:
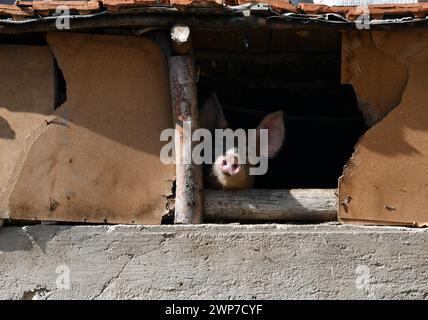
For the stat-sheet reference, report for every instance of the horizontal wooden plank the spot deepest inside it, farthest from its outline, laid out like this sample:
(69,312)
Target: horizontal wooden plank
(271,205)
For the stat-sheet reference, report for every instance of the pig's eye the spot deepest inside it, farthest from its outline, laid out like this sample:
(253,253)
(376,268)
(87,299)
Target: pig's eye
(224,162)
(235,166)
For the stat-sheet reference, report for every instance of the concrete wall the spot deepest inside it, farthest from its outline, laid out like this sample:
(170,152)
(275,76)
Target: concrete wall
(213,261)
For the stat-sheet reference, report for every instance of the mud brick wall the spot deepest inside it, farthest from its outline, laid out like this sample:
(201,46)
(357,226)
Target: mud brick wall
(385,181)
(96,157)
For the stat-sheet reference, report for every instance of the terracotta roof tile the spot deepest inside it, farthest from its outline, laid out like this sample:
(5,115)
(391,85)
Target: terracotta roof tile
(280,5)
(45,8)
(15,11)
(25,8)
(196,3)
(322,8)
(73,5)
(283,5)
(418,10)
(116,5)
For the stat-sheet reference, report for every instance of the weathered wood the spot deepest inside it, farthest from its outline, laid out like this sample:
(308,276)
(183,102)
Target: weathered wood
(266,58)
(189,185)
(203,21)
(271,205)
(180,38)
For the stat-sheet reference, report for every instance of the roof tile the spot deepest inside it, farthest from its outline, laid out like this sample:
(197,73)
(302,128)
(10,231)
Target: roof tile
(196,3)
(280,5)
(15,11)
(312,8)
(27,8)
(418,10)
(83,7)
(283,5)
(116,5)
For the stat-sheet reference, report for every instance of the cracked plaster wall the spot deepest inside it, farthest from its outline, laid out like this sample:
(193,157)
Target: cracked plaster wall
(213,262)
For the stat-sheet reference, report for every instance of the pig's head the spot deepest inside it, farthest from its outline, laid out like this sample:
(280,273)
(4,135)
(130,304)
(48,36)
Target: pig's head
(227,172)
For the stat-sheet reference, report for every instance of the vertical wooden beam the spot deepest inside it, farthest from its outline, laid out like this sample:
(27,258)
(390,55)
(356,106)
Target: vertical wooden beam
(189,179)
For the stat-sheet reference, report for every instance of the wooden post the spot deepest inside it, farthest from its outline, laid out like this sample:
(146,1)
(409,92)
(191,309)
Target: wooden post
(189,179)
(318,205)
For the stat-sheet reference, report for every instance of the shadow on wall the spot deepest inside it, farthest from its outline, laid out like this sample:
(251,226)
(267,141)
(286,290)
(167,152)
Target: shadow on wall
(386,179)
(6,132)
(28,237)
(105,94)
(101,145)
(387,70)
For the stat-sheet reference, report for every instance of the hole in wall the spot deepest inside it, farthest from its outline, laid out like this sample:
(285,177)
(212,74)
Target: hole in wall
(27,39)
(302,78)
(38,293)
(60,85)
(168,218)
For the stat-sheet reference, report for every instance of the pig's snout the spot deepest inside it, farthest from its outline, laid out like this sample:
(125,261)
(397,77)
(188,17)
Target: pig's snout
(229,165)
(227,173)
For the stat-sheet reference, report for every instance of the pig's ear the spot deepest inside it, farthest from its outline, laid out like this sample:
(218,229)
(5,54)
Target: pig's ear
(211,114)
(274,123)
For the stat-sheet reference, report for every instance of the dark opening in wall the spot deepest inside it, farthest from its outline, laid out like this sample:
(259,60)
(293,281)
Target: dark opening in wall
(60,86)
(259,72)
(28,39)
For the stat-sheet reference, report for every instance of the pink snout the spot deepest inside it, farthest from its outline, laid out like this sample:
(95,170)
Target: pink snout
(230,166)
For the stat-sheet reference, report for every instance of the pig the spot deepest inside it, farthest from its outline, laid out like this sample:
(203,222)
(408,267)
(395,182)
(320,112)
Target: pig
(226,172)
